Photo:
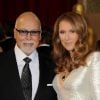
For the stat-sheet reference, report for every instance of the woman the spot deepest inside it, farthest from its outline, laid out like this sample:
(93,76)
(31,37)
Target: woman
(78,67)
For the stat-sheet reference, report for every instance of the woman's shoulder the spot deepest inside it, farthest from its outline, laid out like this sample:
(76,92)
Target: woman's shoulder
(93,57)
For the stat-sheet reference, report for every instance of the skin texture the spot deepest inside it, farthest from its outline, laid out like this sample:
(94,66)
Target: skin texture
(27,21)
(67,35)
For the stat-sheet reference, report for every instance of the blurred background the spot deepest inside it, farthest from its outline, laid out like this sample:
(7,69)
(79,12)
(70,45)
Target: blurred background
(48,11)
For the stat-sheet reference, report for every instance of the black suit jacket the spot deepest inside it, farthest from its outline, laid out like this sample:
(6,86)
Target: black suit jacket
(10,85)
(45,51)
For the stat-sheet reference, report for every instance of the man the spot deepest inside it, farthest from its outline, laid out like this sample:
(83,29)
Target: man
(27,33)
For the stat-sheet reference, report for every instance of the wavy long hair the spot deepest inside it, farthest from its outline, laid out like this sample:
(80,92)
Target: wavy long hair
(61,56)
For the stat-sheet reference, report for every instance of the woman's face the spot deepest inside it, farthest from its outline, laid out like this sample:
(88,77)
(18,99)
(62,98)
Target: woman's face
(67,35)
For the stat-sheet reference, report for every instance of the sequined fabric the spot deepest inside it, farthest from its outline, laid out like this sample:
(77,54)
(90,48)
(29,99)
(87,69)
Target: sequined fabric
(82,83)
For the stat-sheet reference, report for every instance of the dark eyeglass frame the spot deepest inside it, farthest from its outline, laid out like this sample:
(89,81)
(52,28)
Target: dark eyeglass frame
(24,32)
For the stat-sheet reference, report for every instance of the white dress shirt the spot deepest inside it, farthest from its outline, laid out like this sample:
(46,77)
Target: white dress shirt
(34,67)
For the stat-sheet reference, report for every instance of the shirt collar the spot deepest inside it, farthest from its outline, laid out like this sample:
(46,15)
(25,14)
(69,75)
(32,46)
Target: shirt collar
(20,55)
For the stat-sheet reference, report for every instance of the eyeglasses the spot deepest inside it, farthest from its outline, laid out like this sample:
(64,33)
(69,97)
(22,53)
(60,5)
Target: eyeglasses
(26,32)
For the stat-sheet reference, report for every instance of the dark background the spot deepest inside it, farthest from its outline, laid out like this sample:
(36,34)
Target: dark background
(47,10)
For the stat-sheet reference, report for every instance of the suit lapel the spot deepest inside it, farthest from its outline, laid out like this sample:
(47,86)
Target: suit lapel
(45,78)
(14,76)
(42,79)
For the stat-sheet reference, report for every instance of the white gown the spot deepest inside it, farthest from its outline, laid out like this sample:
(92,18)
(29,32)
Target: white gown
(82,83)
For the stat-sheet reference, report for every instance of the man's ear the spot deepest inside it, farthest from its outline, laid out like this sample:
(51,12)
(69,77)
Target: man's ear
(14,32)
(40,36)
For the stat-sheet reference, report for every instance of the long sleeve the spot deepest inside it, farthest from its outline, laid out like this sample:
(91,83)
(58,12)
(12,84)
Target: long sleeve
(95,76)
(82,83)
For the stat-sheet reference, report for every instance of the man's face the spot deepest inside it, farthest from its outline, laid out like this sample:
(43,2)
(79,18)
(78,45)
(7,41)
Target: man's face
(27,35)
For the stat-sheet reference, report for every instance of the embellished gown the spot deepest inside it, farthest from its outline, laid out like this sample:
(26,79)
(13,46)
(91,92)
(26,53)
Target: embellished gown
(82,83)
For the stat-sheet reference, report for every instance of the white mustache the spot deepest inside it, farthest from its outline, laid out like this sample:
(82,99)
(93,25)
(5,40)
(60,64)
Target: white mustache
(29,43)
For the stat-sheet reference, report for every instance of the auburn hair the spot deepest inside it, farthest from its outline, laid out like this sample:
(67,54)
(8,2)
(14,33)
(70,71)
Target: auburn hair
(61,56)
